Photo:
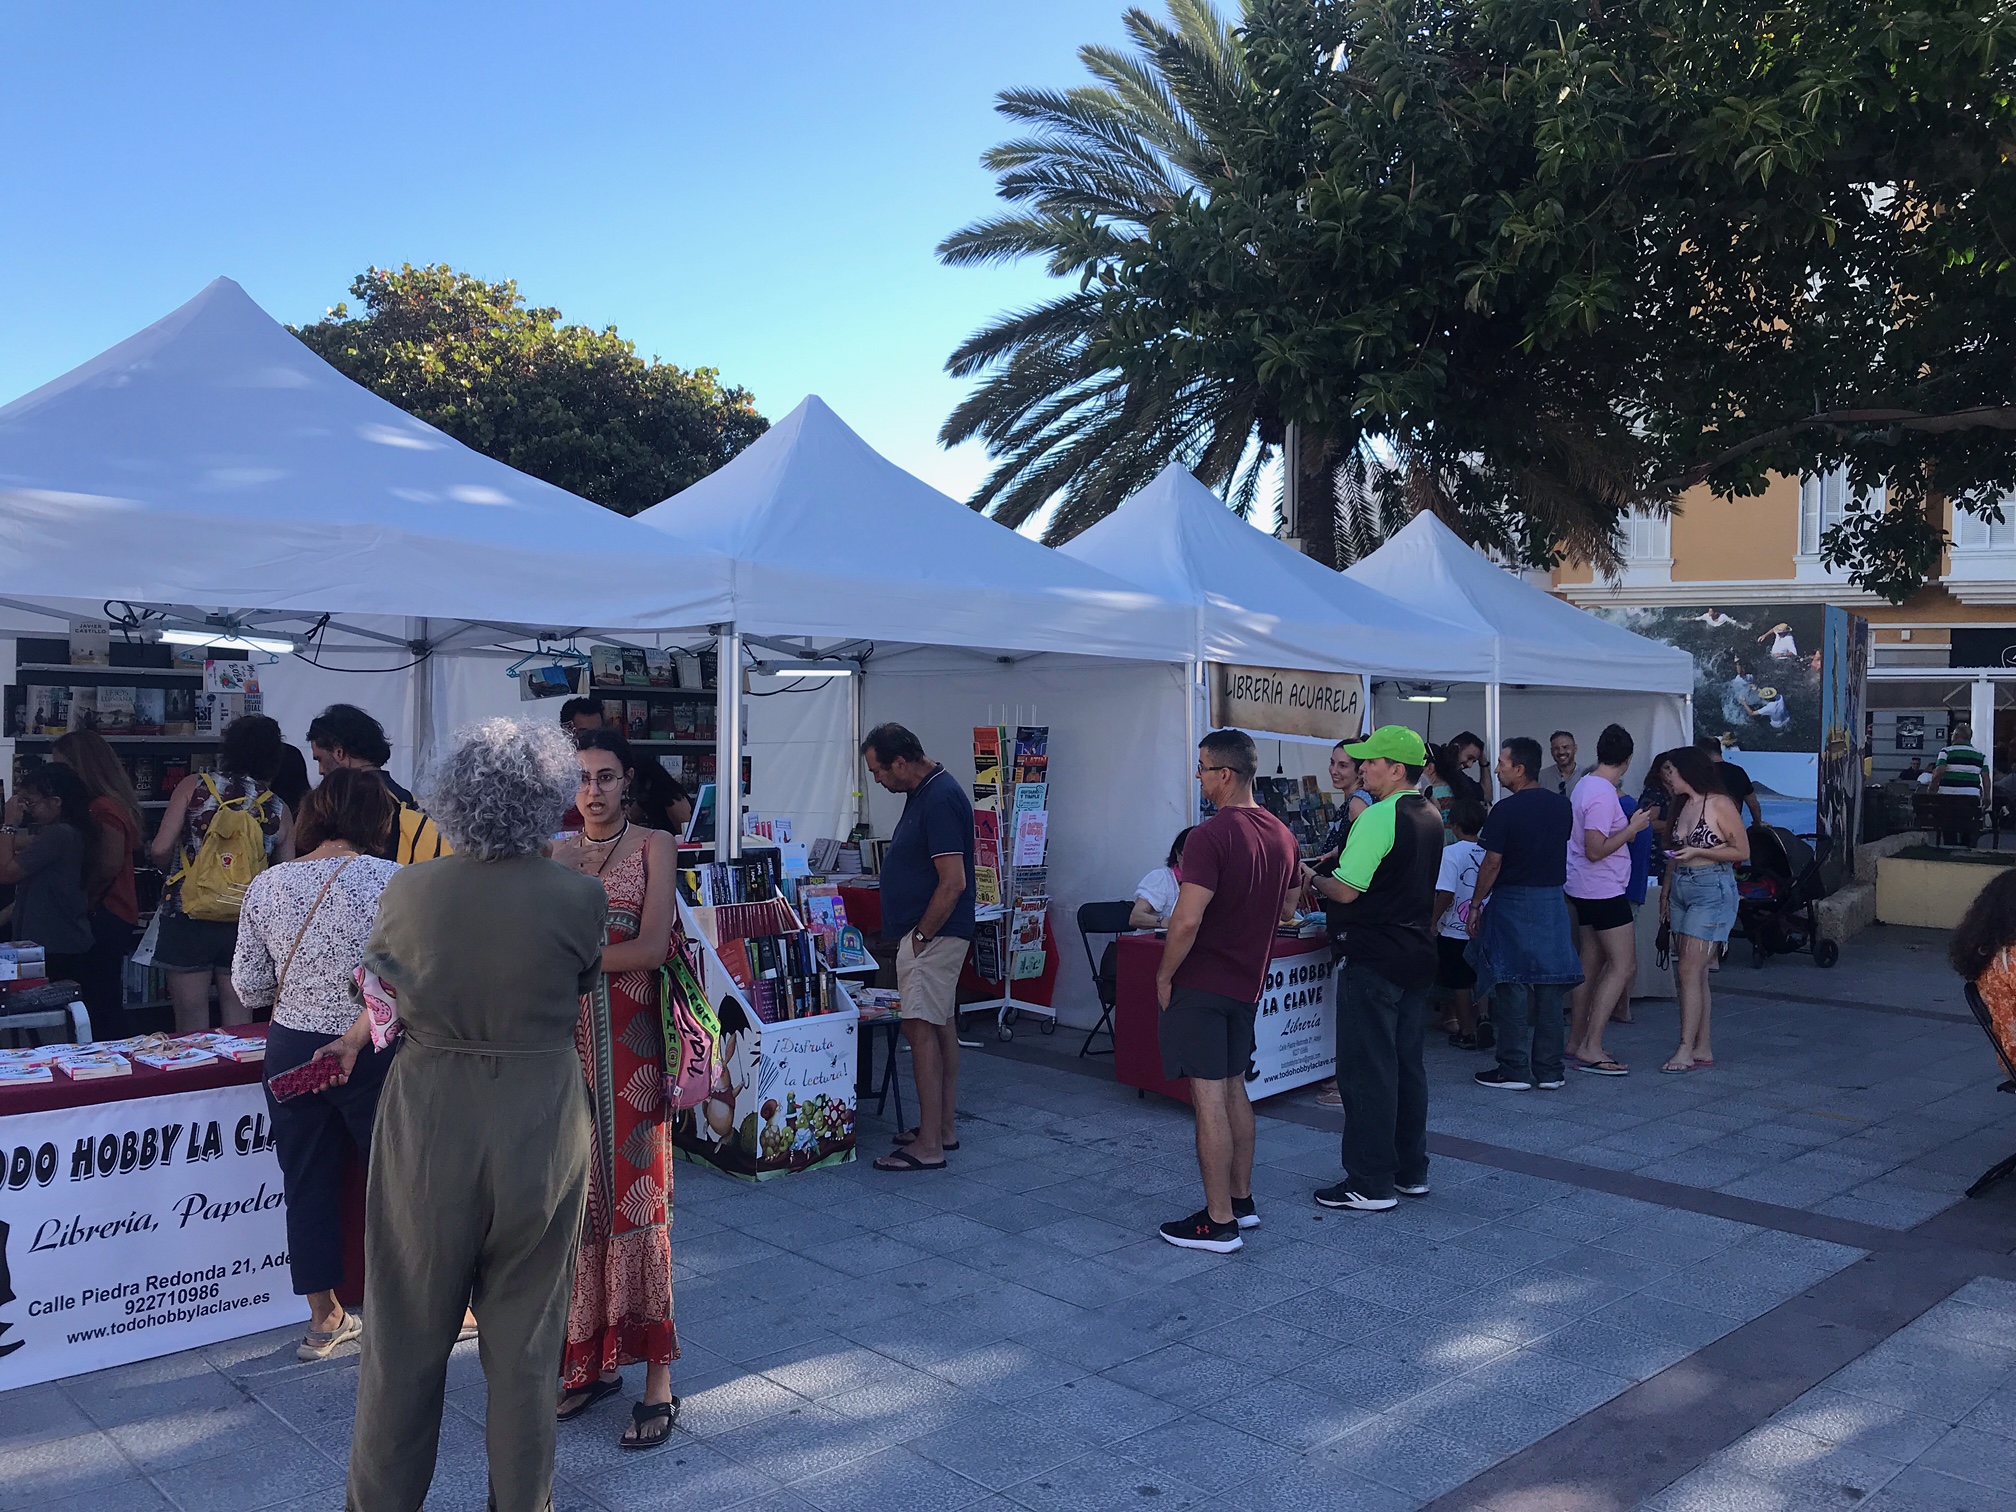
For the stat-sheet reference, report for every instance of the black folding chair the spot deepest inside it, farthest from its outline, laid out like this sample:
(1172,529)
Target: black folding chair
(1109,919)
(2007,1055)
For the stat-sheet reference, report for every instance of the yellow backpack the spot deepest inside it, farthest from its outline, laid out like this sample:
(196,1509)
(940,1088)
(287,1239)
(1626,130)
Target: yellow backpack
(232,854)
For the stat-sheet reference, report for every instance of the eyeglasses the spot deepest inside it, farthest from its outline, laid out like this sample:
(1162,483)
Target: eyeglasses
(1202,769)
(598,781)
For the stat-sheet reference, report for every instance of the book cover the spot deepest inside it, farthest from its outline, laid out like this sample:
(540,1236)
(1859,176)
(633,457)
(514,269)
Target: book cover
(116,709)
(1028,922)
(986,887)
(90,643)
(49,708)
(1032,753)
(83,706)
(1031,881)
(150,710)
(1032,830)
(606,664)
(637,718)
(229,677)
(183,1059)
(658,668)
(146,774)
(178,713)
(215,711)
(1030,796)
(17,712)
(635,673)
(735,957)
(687,670)
(661,720)
(684,726)
(1028,965)
(94,1067)
(17,1074)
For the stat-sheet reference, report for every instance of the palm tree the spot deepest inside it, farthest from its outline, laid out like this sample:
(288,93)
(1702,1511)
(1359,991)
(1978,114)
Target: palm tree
(1068,401)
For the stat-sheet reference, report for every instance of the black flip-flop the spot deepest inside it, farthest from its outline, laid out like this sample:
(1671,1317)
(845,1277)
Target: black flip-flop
(905,1161)
(587,1396)
(909,1136)
(646,1413)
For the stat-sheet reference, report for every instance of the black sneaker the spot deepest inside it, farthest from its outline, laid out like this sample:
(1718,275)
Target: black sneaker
(1411,1191)
(1199,1232)
(1554,1085)
(1496,1078)
(1243,1213)
(1487,1037)
(1341,1196)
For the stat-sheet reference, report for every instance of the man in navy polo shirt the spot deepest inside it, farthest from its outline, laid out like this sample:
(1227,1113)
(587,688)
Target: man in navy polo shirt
(927,904)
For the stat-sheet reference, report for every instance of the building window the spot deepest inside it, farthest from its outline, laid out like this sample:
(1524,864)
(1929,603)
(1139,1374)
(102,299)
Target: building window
(1972,533)
(1824,502)
(1645,538)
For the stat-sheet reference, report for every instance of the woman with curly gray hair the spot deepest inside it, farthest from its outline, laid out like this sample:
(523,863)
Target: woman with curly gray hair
(479,1160)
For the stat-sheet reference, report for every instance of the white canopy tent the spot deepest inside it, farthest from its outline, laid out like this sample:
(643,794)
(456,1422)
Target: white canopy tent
(211,472)
(1566,669)
(1257,601)
(951,621)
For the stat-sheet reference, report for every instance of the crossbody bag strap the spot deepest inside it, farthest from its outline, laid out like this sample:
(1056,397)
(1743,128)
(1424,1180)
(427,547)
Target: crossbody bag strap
(302,933)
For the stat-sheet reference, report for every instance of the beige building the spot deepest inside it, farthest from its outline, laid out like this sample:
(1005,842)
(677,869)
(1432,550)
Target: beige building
(1947,654)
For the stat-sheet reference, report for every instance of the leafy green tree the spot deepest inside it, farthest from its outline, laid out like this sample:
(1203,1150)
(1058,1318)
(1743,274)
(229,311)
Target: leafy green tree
(572,405)
(1527,263)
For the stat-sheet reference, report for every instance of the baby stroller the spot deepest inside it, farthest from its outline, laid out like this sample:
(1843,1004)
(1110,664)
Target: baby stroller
(1776,893)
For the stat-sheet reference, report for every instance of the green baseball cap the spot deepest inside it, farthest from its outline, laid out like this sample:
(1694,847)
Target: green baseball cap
(1394,743)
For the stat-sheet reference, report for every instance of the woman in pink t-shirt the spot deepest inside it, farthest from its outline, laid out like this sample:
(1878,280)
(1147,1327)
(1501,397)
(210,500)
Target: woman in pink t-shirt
(1599,871)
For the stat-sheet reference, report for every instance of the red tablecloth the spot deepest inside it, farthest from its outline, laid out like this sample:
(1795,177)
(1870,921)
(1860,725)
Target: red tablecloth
(146,1081)
(1137,1053)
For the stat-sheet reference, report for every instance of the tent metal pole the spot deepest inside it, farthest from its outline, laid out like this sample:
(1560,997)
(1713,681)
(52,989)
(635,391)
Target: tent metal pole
(1190,739)
(423,699)
(1494,725)
(857,780)
(728,744)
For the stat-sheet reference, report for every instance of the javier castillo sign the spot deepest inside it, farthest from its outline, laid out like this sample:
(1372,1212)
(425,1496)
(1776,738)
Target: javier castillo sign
(1330,705)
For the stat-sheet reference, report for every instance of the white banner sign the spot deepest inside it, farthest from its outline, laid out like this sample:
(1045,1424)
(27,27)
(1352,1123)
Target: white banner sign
(139,1228)
(1295,1034)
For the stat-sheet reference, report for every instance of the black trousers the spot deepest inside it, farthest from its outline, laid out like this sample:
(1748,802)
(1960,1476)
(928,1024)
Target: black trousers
(312,1135)
(1383,1081)
(101,972)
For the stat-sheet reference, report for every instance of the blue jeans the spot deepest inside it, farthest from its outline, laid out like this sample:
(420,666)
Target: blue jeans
(1531,1022)
(1383,1081)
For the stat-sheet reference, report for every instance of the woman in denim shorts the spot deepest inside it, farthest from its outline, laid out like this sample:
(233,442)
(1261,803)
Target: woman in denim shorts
(1699,896)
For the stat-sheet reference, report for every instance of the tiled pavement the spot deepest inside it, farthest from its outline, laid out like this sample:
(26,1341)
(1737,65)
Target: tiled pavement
(1010,1337)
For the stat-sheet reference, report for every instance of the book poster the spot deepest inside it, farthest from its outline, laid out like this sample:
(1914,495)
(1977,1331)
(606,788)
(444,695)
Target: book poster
(986,887)
(1031,796)
(1028,926)
(1031,832)
(1028,965)
(987,766)
(987,839)
(1032,754)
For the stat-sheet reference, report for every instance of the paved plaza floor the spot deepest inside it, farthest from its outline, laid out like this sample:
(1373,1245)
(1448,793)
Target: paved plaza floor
(1754,1287)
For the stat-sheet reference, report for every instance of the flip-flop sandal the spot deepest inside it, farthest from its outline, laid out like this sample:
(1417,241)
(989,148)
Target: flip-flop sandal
(595,1391)
(1704,1065)
(1670,1069)
(649,1415)
(909,1136)
(1603,1068)
(903,1160)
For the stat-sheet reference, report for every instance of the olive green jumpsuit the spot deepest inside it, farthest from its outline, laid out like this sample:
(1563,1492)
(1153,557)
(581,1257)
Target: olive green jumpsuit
(479,1166)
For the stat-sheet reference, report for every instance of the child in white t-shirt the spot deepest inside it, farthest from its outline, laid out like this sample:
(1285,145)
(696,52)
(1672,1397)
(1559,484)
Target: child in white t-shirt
(1455,884)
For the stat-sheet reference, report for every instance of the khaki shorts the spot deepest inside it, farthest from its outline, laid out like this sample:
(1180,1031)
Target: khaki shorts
(928,980)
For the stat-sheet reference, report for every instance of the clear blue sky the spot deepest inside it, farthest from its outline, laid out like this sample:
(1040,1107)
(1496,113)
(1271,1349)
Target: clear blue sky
(754,186)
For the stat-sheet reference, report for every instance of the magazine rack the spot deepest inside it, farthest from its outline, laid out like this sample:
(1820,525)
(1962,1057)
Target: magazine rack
(1011,780)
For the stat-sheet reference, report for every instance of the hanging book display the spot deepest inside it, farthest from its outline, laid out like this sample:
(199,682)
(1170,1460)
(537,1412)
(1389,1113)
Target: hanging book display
(1011,834)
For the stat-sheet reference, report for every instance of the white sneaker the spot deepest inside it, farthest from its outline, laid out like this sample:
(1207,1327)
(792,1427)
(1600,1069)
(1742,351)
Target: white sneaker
(1343,1197)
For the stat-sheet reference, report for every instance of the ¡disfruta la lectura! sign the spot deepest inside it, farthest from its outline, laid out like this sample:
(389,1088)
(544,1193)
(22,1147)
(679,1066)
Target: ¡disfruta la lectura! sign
(1330,705)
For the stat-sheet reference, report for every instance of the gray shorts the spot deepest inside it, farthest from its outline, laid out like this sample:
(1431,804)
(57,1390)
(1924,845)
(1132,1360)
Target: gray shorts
(1206,1035)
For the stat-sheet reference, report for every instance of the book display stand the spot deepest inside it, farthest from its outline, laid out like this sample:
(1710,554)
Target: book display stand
(1011,836)
(665,703)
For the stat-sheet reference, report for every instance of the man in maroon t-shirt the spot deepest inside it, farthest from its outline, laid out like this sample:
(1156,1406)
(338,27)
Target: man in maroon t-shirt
(1238,868)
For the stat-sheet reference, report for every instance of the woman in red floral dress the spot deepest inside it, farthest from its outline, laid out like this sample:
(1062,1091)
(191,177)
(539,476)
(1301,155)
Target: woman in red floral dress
(621,1311)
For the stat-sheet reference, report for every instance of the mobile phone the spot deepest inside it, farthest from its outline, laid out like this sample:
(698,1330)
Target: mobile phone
(309,1076)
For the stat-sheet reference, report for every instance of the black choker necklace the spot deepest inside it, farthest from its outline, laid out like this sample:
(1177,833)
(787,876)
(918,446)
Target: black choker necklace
(611,840)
